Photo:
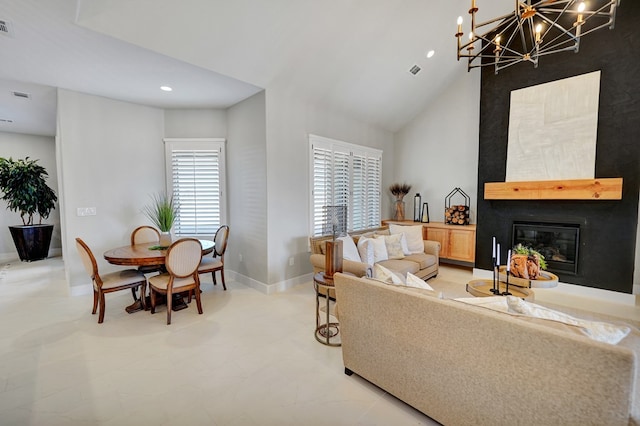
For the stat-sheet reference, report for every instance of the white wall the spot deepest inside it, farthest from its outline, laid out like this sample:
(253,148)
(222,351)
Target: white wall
(42,148)
(247,189)
(438,150)
(195,123)
(289,122)
(110,156)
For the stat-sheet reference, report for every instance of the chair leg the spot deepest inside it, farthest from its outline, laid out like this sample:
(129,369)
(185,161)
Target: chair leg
(153,300)
(169,307)
(133,293)
(213,274)
(143,295)
(224,285)
(95,302)
(198,302)
(102,307)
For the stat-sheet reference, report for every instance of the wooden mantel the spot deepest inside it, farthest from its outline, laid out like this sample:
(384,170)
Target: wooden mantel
(578,189)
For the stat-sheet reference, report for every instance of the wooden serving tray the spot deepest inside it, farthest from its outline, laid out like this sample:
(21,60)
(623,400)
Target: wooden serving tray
(482,288)
(545,280)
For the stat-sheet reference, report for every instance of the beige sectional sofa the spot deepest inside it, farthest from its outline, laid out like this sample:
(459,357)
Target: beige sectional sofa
(424,265)
(467,365)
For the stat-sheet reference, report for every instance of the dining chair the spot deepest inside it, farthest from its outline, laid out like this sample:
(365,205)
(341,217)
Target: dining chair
(181,261)
(108,283)
(216,262)
(140,235)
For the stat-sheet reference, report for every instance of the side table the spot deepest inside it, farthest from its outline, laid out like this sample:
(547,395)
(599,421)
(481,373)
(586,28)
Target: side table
(326,330)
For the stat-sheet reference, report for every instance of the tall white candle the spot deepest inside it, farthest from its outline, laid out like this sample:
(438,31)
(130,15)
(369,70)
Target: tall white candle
(509,261)
(498,255)
(493,246)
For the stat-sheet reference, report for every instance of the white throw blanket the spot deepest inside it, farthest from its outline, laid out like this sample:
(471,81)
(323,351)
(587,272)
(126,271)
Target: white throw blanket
(600,331)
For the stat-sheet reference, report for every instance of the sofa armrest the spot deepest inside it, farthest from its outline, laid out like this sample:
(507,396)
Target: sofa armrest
(432,247)
(359,269)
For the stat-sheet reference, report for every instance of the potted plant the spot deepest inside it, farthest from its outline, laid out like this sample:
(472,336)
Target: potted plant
(162,212)
(24,187)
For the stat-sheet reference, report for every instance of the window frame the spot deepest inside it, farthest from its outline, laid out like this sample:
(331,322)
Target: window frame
(353,151)
(195,144)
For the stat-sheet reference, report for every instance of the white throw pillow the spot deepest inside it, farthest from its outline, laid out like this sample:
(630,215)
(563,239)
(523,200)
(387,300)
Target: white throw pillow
(383,274)
(413,234)
(393,245)
(349,249)
(365,248)
(405,247)
(379,250)
(413,281)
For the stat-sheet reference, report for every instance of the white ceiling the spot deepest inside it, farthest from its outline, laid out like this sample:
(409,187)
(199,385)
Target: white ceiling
(349,55)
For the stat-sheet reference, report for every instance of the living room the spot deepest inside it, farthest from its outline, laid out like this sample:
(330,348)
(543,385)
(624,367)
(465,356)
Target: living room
(102,145)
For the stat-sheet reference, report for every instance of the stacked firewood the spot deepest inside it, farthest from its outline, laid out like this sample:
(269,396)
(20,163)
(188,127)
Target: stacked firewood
(456,215)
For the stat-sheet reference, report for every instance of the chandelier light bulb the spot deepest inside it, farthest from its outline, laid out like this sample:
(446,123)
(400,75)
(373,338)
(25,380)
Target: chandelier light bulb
(581,7)
(460,20)
(471,35)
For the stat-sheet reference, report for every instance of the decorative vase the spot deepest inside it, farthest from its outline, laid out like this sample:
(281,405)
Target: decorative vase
(165,239)
(399,210)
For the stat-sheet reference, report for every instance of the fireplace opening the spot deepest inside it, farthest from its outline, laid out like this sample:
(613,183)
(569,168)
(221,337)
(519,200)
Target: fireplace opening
(557,242)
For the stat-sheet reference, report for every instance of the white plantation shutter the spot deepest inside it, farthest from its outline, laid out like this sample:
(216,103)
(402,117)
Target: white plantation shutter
(195,175)
(345,175)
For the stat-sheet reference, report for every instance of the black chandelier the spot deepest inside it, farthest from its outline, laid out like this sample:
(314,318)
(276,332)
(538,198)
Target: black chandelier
(535,28)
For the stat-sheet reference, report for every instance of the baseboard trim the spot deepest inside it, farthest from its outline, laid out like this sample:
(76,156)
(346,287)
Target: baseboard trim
(269,288)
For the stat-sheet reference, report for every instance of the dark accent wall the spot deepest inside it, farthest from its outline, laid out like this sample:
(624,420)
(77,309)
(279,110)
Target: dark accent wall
(608,228)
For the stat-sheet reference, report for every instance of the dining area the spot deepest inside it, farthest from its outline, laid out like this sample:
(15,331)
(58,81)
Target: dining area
(157,273)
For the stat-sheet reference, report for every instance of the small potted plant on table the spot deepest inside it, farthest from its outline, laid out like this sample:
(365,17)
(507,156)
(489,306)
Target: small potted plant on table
(162,212)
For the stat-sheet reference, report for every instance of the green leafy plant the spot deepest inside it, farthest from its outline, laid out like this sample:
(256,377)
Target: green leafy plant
(25,189)
(528,251)
(162,212)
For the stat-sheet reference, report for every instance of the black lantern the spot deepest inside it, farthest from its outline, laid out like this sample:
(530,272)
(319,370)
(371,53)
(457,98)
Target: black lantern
(417,202)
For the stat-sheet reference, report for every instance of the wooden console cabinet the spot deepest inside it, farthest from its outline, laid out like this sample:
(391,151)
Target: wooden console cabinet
(458,242)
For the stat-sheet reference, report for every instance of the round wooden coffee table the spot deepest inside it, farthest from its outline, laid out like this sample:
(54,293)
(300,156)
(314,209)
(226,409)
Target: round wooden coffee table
(482,288)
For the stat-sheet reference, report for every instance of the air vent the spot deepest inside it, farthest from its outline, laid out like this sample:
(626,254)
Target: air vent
(414,70)
(5,28)
(21,95)
(5,120)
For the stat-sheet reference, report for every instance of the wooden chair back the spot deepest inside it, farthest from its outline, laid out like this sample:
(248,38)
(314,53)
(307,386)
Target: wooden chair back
(88,260)
(183,258)
(145,234)
(221,238)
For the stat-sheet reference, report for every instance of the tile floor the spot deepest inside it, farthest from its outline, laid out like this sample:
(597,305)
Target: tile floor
(250,359)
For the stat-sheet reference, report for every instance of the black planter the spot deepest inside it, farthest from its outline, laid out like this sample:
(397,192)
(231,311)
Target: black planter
(32,241)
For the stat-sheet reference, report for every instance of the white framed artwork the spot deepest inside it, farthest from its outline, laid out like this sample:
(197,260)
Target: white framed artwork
(553,129)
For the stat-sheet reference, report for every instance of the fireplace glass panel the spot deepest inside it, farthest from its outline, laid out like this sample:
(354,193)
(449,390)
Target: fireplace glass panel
(558,243)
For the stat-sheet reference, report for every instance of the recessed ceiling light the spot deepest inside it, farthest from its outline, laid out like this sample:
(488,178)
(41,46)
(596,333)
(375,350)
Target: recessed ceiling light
(431,53)
(166,88)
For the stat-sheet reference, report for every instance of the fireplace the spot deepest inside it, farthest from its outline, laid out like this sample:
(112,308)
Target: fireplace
(557,242)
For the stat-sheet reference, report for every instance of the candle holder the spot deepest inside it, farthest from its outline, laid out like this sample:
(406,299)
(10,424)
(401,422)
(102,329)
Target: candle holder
(495,288)
(506,293)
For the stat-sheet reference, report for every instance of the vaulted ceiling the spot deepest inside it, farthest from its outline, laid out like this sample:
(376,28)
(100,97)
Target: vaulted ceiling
(353,56)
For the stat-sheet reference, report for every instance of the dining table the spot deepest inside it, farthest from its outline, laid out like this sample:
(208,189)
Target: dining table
(148,254)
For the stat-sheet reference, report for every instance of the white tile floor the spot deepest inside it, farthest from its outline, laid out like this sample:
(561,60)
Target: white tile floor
(250,359)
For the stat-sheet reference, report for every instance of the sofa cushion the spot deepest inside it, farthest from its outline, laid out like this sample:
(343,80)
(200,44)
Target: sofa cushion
(413,281)
(393,245)
(379,250)
(349,249)
(380,273)
(365,248)
(413,234)
(401,266)
(422,259)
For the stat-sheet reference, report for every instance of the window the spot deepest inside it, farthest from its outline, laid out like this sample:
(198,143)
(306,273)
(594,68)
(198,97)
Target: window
(344,174)
(195,178)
